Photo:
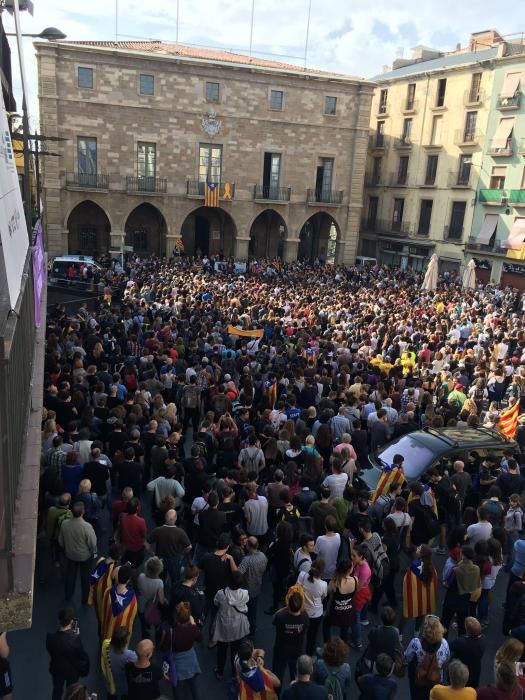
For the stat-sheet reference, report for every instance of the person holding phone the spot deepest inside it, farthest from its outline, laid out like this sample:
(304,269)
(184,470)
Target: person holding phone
(68,659)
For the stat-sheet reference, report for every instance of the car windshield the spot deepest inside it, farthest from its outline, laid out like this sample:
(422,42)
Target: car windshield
(418,458)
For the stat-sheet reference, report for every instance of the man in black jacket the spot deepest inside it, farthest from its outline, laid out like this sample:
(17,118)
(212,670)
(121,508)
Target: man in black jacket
(68,659)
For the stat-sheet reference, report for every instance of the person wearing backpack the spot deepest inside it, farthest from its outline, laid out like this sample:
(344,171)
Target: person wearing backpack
(426,657)
(55,517)
(378,560)
(495,507)
(251,458)
(331,670)
(191,402)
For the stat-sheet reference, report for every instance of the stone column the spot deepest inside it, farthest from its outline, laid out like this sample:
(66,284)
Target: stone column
(241,248)
(291,249)
(116,241)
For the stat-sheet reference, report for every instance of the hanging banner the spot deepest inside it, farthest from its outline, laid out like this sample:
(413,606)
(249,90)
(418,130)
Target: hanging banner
(257,333)
(39,273)
(13,233)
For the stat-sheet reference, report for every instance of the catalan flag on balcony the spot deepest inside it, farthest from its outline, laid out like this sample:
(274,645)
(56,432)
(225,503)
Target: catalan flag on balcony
(508,421)
(211,194)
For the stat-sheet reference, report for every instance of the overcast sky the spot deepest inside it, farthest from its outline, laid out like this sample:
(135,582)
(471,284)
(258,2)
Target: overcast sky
(357,37)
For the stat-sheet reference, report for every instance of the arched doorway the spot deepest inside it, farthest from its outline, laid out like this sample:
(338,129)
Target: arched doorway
(209,231)
(318,238)
(146,230)
(89,228)
(267,234)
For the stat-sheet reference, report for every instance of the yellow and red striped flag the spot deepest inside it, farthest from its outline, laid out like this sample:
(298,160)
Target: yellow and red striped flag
(419,597)
(211,194)
(390,475)
(508,421)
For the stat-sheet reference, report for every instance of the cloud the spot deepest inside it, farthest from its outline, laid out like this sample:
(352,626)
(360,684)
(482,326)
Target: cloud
(382,31)
(345,28)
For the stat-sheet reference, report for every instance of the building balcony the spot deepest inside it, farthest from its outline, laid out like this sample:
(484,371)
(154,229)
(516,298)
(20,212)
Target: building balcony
(195,190)
(433,146)
(465,138)
(521,147)
(517,198)
(396,228)
(315,197)
(508,103)
(459,180)
(373,180)
(85,181)
(473,98)
(378,142)
(495,150)
(383,109)
(265,193)
(494,247)
(403,143)
(398,179)
(409,107)
(452,233)
(146,184)
(493,197)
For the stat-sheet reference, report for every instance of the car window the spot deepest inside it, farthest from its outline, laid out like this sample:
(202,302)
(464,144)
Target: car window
(417,458)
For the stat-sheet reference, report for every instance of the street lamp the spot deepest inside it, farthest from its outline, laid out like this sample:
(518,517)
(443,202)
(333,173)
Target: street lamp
(49,33)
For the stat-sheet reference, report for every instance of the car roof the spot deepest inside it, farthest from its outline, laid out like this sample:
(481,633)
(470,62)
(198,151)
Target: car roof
(444,439)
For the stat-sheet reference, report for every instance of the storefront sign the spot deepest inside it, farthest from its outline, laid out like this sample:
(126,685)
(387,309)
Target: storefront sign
(483,264)
(515,269)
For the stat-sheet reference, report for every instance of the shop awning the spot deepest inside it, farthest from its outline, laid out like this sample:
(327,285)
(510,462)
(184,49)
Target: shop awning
(487,229)
(516,237)
(511,84)
(503,132)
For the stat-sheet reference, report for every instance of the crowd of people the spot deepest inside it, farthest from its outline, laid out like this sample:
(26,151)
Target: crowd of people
(210,433)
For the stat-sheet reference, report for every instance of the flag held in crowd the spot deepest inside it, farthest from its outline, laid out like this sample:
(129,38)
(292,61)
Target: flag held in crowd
(508,421)
(392,474)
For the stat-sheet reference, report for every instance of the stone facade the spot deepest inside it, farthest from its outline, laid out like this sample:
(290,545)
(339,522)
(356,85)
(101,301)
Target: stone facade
(115,114)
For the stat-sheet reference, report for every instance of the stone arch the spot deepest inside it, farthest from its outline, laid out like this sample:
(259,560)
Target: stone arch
(318,237)
(268,232)
(209,231)
(89,229)
(146,229)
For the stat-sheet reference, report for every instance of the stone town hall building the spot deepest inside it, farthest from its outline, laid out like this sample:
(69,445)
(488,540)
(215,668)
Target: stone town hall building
(147,124)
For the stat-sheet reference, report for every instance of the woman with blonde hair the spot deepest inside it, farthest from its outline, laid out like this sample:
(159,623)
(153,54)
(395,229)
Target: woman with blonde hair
(426,656)
(506,687)
(511,652)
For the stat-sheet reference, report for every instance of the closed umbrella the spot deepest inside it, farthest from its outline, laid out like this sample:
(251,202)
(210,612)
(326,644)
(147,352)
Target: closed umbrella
(431,275)
(469,276)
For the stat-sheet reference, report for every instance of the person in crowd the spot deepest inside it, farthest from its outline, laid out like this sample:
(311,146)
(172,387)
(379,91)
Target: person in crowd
(150,589)
(115,656)
(506,685)
(340,612)
(79,542)
(67,658)
(231,623)
(144,675)
(315,591)
(102,578)
(132,533)
(458,675)
(291,625)
(252,567)
(216,567)
(379,684)
(253,678)
(427,655)
(6,679)
(469,649)
(119,604)
(304,687)
(180,641)
(331,670)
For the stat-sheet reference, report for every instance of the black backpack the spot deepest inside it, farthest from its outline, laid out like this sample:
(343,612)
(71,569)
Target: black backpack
(432,526)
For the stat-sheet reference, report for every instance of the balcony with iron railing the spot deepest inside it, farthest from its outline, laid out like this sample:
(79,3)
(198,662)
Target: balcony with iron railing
(473,97)
(88,181)
(410,106)
(452,233)
(324,196)
(491,247)
(459,179)
(195,189)
(403,143)
(378,142)
(496,150)
(385,226)
(398,179)
(372,180)
(467,137)
(492,196)
(263,193)
(508,103)
(149,184)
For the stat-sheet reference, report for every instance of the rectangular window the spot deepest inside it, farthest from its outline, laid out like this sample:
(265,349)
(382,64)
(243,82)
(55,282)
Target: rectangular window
(210,163)
(411,93)
(457,216)
(271,175)
(380,134)
(475,85)
(323,179)
(383,99)
(465,165)
(146,160)
(330,105)
(437,127)
(376,170)
(425,214)
(212,92)
(85,78)
(373,206)
(430,174)
(470,127)
(276,99)
(146,84)
(402,170)
(441,90)
(87,156)
(397,215)
(497,178)
(407,130)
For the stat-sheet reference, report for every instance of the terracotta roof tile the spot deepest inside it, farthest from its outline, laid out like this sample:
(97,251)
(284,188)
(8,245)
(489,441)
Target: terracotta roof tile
(204,54)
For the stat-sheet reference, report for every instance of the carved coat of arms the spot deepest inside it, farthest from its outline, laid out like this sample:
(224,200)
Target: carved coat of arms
(211,125)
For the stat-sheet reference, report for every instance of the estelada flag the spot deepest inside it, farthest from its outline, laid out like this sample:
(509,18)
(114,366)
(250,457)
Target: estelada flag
(419,598)
(99,582)
(508,421)
(390,475)
(120,610)
(270,389)
(211,194)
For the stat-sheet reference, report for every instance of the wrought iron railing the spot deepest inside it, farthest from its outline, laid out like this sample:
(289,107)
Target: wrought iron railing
(93,181)
(513,102)
(314,196)
(146,184)
(195,188)
(275,194)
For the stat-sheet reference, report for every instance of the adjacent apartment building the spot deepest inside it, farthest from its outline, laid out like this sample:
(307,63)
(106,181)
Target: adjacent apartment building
(147,125)
(429,120)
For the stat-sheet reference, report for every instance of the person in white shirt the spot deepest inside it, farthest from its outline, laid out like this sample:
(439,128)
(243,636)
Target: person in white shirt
(327,547)
(482,530)
(337,480)
(315,591)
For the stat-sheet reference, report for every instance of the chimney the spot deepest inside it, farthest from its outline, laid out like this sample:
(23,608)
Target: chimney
(484,40)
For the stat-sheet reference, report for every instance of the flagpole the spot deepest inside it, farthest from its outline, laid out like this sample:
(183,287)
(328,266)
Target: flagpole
(251,26)
(307,31)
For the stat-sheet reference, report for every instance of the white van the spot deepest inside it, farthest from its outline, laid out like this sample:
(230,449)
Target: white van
(62,269)
(362,260)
